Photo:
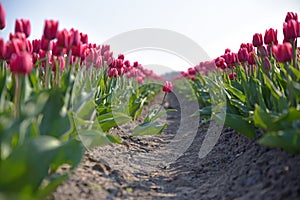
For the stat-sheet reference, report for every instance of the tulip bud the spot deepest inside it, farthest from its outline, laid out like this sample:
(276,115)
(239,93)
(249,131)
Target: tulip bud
(50,29)
(243,55)
(291,16)
(267,64)
(21,63)
(2,49)
(84,38)
(121,56)
(251,58)
(271,37)
(2,17)
(220,63)
(283,52)
(23,26)
(232,76)
(291,29)
(257,40)
(168,87)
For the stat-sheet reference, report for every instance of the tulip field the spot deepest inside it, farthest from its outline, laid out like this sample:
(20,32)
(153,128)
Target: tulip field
(50,86)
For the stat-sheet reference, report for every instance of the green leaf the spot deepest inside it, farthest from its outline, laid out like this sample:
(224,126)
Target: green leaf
(148,128)
(238,123)
(109,120)
(289,140)
(92,138)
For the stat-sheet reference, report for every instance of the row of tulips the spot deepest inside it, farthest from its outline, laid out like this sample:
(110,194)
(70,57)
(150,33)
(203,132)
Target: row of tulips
(260,85)
(58,95)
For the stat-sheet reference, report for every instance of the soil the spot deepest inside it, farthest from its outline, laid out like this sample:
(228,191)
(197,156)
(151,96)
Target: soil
(235,168)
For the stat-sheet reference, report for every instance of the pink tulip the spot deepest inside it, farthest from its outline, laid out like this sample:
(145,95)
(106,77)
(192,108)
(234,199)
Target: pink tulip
(251,58)
(168,87)
(283,52)
(21,63)
(291,16)
(291,30)
(271,37)
(50,29)
(23,26)
(84,38)
(2,49)
(2,17)
(232,76)
(220,63)
(243,54)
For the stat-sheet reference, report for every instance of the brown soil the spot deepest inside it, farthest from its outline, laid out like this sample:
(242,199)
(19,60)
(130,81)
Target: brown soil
(236,168)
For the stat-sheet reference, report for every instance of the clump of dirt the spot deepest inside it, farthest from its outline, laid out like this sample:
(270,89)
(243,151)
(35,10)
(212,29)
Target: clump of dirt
(236,168)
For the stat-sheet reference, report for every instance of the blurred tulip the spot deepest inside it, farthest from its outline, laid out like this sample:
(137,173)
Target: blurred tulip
(251,58)
(291,16)
(2,17)
(271,37)
(283,52)
(168,87)
(50,29)
(262,51)
(257,40)
(2,49)
(121,56)
(23,26)
(21,63)
(220,63)
(36,45)
(243,54)
(291,30)
(267,64)
(64,39)
(232,76)
(84,38)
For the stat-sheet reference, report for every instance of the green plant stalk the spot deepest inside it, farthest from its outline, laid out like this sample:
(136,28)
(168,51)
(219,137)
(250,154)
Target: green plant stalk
(162,102)
(17,96)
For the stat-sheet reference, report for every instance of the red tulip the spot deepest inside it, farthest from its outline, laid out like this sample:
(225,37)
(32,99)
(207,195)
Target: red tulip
(262,51)
(14,46)
(227,50)
(121,56)
(291,29)
(220,63)
(50,29)
(84,38)
(243,55)
(271,37)
(291,16)
(168,87)
(113,72)
(64,39)
(46,44)
(23,26)
(2,17)
(248,46)
(36,44)
(2,49)
(21,63)
(257,40)
(76,37)
(232,76)
(283,52)
(267,64)
(230,58)
(135,64)
(251,58)
(191,71)
(60,62)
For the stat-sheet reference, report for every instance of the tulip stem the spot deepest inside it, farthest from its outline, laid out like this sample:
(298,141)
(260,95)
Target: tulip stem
(17,95)
(162,103)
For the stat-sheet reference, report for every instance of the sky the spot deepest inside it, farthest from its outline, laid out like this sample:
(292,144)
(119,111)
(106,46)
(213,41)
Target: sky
(213,25)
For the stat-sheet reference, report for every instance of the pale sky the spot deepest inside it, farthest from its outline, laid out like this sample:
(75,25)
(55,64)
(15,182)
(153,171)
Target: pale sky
(214,25)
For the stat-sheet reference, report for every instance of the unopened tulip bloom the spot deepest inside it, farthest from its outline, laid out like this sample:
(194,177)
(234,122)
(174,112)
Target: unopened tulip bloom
(243,55)
(2,17)
(220,63)
(291,16)
(267,64)
(257,40)
(23,26)
(2,49)
(168,87)
(50,29)
(84,38)
(283,52)
(251,58)
(271,37)
(291,30)
(232,76)
(21,63)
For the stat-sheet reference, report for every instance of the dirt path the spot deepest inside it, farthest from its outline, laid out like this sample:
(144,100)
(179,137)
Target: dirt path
(236,168)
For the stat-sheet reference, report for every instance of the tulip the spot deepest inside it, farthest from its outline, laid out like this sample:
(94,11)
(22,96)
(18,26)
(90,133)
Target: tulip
(257,40)
(227,50)
(64,39)
(283,52)
(36,44)
(135,64)
(262,51)
(251,58)
(230,58)
(46,44)
(113,72)
(168,87)
(291,30)
(271,37)
(267,64)
(84,38)
(76,37)
(191,71)
(21,63)
(2,17)
(2,49)
(243,55)
(291,16)
(23,26)
(220,63)
(232,76)
(121,56)
(50,29)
